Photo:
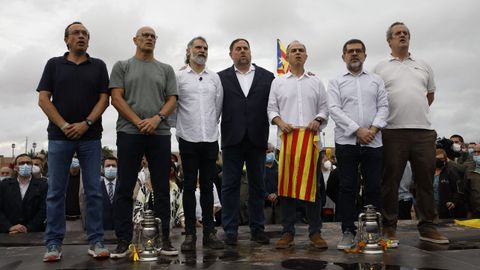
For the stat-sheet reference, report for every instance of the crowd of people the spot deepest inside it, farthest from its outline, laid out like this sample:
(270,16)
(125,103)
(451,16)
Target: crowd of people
(384,152)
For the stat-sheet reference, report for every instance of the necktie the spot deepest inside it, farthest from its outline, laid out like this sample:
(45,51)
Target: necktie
(110,191)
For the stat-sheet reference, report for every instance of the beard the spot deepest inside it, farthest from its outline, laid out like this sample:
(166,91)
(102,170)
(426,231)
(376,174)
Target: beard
(199,59)
(356,65)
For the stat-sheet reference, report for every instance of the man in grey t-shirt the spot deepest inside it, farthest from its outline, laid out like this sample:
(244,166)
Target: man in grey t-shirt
(144,92)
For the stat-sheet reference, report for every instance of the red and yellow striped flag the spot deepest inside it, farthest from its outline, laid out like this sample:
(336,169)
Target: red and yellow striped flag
(297,173)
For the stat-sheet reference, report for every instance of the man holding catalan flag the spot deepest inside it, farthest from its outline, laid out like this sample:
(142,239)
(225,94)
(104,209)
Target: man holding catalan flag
(298,106)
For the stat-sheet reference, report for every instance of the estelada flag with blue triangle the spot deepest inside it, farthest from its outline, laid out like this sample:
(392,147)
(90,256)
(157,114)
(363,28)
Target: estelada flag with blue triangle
(297,172)
(282,63)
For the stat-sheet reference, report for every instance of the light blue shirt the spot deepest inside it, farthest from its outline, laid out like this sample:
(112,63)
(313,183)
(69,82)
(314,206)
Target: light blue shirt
(357,101)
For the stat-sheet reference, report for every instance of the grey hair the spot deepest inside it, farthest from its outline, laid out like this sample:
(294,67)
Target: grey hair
(190,45)
(390,29)
(295,41)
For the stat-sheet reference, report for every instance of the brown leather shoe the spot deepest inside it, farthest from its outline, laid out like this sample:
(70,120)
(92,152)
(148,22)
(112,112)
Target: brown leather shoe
(430,234)
(285,241)
(317,240)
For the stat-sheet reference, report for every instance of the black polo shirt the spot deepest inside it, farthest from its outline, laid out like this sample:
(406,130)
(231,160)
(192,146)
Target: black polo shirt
(75,90)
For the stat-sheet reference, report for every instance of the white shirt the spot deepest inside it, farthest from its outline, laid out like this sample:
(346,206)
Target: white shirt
(357,102)
(199,106)
(24,187)
(245,79)
(198,208)
(407,83)
(298,100)
(114,181)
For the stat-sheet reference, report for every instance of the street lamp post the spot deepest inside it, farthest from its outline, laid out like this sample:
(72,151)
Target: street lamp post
(13,150)
(34,145)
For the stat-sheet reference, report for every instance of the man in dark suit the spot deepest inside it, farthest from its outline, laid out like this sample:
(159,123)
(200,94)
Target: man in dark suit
(244,140)
(22,200)
(109,182)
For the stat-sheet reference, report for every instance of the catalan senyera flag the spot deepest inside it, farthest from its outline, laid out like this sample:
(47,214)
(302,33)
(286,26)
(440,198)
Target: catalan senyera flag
(282,64)
(297,173)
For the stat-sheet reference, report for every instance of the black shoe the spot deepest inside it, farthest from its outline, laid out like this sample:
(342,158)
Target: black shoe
(231,240)
(260,237)
(190,243)
(211,241)
(121,250)
(167,248)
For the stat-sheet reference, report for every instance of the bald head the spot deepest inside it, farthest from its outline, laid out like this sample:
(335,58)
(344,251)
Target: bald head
(145,29)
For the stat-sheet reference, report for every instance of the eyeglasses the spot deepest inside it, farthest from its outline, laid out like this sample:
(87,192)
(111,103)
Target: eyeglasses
(149,35)
(357,51)
(78,32)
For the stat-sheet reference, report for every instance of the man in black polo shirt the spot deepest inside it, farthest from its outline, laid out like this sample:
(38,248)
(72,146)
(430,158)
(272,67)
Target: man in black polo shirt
(73,93)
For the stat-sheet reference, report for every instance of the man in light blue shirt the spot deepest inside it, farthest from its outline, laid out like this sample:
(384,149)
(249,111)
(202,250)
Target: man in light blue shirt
(358,104)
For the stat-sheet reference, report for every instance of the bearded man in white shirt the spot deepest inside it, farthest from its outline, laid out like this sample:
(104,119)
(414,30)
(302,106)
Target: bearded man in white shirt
(200,97)
(358,104)
(298,99)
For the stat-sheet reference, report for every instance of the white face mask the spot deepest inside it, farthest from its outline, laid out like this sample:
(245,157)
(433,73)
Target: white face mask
(327,165)
(456,147)
(35,169)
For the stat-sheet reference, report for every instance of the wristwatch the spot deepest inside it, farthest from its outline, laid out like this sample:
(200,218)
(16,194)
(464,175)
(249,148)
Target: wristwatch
(162,117)
(319,120)
(89,122)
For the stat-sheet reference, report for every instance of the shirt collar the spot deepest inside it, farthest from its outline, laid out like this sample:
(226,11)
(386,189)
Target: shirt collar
(250,69)
(305,74)
(65,60)
(189,69)
(393,58)
(348,72)
(28,182)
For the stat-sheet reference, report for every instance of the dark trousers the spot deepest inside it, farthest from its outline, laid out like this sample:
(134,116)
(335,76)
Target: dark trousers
(313,210)
(198,159)
(349,158)
(131,148)
(418,147)
(405,209)
(233,159)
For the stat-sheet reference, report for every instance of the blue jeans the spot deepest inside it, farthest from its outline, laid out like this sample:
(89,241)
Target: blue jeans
(313,209)
(233,159)
(60,154)
(350,160)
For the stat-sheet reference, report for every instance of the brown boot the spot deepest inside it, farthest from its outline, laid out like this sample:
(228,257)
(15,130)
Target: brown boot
(430,234)
(285,242)
(317,240)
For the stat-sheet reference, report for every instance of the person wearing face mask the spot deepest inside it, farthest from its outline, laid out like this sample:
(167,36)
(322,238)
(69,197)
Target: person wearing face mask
(22,200)
(472,184)
(460,152)
(271,209)
(5,172)
(109,182)
(37,168)
(446,191)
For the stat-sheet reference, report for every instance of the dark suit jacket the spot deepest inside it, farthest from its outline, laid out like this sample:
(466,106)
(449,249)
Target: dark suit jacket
(107,208)
(245,116)
(30,212)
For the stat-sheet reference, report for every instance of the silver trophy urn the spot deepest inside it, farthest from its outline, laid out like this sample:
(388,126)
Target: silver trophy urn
(370,230)
(149,235)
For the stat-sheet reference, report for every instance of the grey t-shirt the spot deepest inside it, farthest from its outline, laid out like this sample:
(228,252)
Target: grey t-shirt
(146,85)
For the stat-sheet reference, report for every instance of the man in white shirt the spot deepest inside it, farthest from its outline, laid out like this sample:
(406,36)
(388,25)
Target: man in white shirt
(298,99)
(358,104)
(409,135)
(200,97)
